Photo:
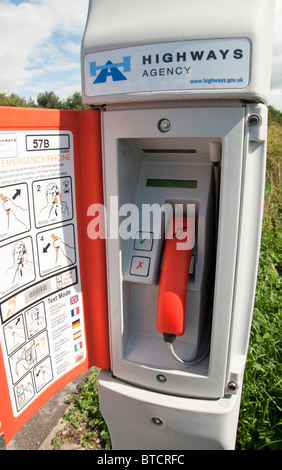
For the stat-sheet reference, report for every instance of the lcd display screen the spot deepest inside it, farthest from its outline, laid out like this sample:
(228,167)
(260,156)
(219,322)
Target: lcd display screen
(164,183)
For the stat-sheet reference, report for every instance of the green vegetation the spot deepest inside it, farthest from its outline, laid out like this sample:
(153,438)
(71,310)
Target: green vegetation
(260,414)
(85,417)
(48,100)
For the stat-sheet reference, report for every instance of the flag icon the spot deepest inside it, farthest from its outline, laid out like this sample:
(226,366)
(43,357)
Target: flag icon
(75,312)
(77,335)
(79,357)
(78,346)
(74,299)
(75,324)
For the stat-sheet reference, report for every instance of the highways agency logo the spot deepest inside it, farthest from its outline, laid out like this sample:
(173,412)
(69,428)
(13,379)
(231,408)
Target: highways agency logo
(185,66)
(110,69)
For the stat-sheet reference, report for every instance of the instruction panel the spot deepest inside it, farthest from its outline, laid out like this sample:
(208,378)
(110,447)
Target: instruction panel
(41,312)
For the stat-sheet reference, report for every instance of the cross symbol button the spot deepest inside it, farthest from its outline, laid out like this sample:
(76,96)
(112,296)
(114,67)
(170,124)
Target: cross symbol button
(140,266)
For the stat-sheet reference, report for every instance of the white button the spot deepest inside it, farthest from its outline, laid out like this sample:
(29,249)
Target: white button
(140,266)
(144,242)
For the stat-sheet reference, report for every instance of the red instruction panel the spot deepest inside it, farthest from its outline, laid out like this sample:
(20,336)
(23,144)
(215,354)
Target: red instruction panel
(53,303)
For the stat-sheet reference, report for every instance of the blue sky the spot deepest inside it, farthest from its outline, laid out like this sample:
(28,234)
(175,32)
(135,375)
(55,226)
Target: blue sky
(40,47)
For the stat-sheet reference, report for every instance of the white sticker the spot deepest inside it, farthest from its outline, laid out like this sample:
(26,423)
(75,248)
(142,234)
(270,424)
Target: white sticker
(217,64)
(41,312)
(8,145)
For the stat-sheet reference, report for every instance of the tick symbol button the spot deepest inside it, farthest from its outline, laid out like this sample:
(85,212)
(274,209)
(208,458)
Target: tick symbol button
(144,241)
(140,266)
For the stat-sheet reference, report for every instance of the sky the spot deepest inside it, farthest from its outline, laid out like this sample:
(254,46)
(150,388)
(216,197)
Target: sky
(40,48)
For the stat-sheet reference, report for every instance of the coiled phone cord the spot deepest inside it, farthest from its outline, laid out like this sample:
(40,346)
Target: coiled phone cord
(193,362)
(169,338)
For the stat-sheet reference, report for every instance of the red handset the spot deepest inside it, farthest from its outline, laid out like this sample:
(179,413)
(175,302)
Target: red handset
(179,244)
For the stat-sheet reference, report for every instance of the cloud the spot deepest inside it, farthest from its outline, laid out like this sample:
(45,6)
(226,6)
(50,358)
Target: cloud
(40,38)
(276,73)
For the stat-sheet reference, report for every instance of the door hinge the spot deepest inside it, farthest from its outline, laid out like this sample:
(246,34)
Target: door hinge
(257,123)
(101,107)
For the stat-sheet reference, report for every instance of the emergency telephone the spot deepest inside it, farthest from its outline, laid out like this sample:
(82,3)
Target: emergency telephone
(161,299)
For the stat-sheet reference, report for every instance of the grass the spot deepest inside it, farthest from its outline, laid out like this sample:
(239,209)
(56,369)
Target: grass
(259,425)
(260,415)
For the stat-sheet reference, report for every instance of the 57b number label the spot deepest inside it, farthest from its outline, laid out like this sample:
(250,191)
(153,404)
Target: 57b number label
(41,143)
(47,142)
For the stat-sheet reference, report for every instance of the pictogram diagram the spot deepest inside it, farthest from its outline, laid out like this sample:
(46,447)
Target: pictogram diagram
(56,249)
(14,334)
(52,201)
(28,356)
(14,210)
(24,391)
(43,374)
(40,341)
(35,319)
(17,265)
